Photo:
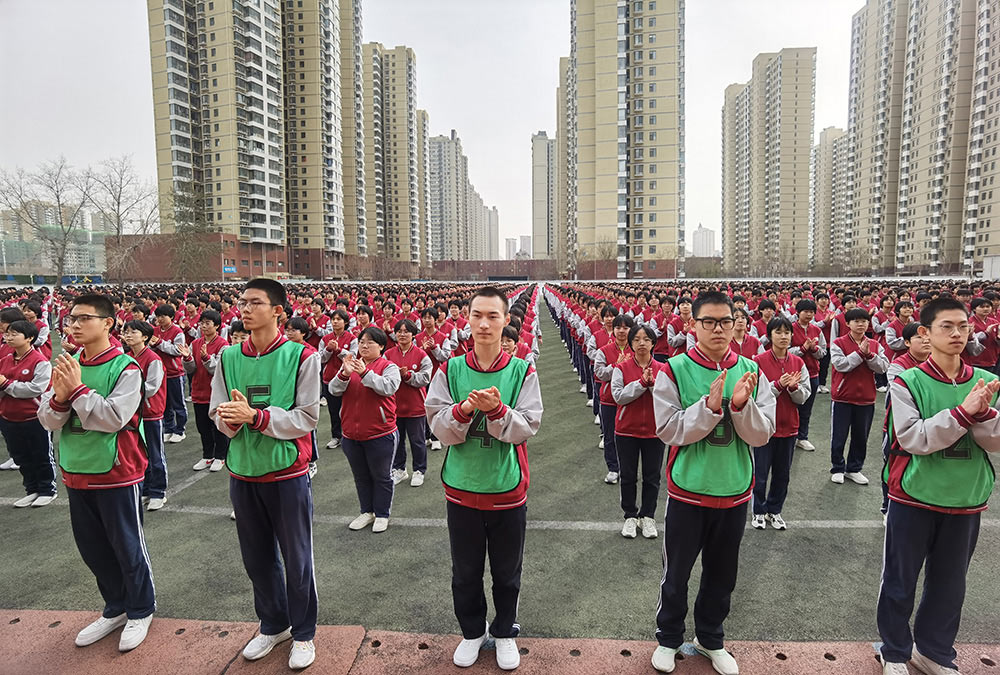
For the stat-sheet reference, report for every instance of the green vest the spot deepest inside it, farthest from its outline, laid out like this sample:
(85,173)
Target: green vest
(482,464)
(721,464)
(960,476)
(85,450)
(266,380)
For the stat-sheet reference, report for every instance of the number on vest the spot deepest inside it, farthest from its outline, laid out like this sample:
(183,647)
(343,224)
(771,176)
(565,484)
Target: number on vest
(958,450)
(256,391)
(722,434)
(477,429)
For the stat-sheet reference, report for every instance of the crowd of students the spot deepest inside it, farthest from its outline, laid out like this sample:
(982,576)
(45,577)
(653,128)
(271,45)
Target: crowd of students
(722,379)
(718,380)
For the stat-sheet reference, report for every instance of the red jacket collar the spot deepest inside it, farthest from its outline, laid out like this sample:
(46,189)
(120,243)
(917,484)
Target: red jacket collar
(102,358)
(702,359)
(249,349)
(498,363)
(932,369)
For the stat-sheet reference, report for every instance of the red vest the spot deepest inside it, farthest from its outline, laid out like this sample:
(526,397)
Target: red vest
(364,414)
(409,400)
(19,370)
(786,420)
(152,407)
(636,419)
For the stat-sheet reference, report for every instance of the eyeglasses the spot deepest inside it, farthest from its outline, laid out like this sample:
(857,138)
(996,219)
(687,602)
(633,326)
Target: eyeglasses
(709,323)
(961,329)
(252,305)
(76,318)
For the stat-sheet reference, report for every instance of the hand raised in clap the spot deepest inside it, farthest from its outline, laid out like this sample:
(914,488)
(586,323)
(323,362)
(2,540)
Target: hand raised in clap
(978,399)
(743,390)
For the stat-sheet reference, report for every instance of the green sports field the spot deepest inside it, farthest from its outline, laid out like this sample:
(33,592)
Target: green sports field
(816,581)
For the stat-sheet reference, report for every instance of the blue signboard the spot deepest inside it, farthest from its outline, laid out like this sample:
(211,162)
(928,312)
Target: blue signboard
(229,270)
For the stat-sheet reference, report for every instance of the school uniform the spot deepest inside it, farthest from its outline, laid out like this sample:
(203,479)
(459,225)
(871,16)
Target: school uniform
(748,347)
(43,343)
(214,443)
(898,365)
(175,414)
(709,483)
(811,358)
(485,476)
(154,402)
(268,462)
(606,358)
(410,413)
(368,414)
(940,480)
(774,458)
(894,340)
(824,327)
(29,443)
(635,436)
(103,460)
(853,394)
(333,348)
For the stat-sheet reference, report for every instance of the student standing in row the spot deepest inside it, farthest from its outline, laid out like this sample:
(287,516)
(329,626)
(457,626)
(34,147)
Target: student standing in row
(808,344)
(711,407)
(167,342)
(200,362)
(608,357)
(411,419)
(136,335)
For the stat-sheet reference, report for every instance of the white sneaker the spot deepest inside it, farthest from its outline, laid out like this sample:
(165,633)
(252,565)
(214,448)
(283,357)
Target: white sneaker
(929,667)
(508,658)
(26,500)
(590,403)
(333,444)
(600,443)
(467,652)
(758,522)
(380,525)
(722,661)
(611,478)
(232,515)
(134,633)
(302,654)
(882,389)
(663,659)
(628,529)
(857,477)
(262,645)
(217,465)
(398,476)
(435,444)
(313,470)
(202,464)
(176,438)
(837,478)
(362,521)
(322,401)
(583,389)
(100,629)
(885,519)
(156,503)
(188,399)
(418,479)
(9,465)
(597,420)
(803,444)
(889,668)
(823,389)
(777,522)
(44,500)
(648,527)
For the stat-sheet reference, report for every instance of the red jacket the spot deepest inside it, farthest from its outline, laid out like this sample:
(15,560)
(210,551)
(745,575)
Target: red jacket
(364,414)
(171,364)
(799,336)
(636,419)
(786,417)
(331,367)
(749,348)
(201,381)
(856,386)
(152,406)
(611,353)
(409,399)
(19,370)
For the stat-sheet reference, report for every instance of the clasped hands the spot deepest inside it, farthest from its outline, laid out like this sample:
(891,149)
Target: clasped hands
(236,411)
(742,390)
(66,377)
(977,401)
(485,400)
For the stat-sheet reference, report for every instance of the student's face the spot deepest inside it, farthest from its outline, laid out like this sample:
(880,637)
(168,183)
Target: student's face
(87,325)
(208,328)
(949,332)
(295,335)
(508,345)
(429,324)
(239,338)
(740,325)
(983,310)
(368,349)
(850,304)
(767,314)
(16,340)
(823,303)
(138,316)
(781,338)
(337,322)
(621,333)
(807,315)
(858,326)
(608,319)
(905,313)
(317,309)
(719,335)
(641,343)
(256,310)
(403,336)
(132,338)
(919,346)
(163,321)
(488,318)
(685,309)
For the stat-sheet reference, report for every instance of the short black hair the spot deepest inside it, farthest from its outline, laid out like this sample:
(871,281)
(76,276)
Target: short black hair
(855,314)
(364,309)
(276,294)
(711,298)
(35,307)
(142,326)
(165,310)
(766,304)
(634,331)
(779,322)
(510,333)
(930,311)
(623,320)
(910,329)
(11,314)
(211,315)
(237,327)
(299,324)
(342,314)
(429,311)
(609,310)
(375,334)
(25,328)
(979,302)
(805,306)
(409,325)
(99,302)
(490,292)
(901,304)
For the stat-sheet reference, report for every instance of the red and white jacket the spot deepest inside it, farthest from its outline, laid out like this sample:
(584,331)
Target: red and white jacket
(853,377)
(202,368)
(154,384)
(634,398)
(786,417)
(413,386)
(368,410)
(167,349)
(27,379)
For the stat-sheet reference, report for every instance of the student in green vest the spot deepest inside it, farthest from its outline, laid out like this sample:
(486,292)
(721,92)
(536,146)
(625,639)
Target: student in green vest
(95,400)
(942,422)
(712,407)
(265,398)
(485,405)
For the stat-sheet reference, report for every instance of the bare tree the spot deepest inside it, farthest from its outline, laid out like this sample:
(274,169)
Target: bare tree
(195,245)
(50,201)
(130,209)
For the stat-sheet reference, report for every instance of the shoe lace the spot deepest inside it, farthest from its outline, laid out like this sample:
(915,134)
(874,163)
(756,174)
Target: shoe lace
(303,646)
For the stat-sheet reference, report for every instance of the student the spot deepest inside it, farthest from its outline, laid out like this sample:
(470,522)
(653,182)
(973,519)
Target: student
(8,315)
(607,358)
(167,341)
(824,317)
(238,333)
(98,394)
(437,346)
(943,421)
(137,335)
(33,314)
(711,407)
(808,344)
(635,431)
(368,384)
(790,383)
(743,343)
(297,330)
(855,359)
(24,376)
(485,405)
(903,312)
(269,416)
(335,345)
(758,329)
(415,374)
(200,361)
(511,344)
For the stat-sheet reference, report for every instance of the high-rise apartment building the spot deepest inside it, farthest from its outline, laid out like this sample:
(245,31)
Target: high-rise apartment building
(493,234)
(544,213)
(982,201)
(510,246)
(703,242)
(767,131)
(826,206)
(424,185)
(565,163)
(352,128)
(525,245)
(625,92)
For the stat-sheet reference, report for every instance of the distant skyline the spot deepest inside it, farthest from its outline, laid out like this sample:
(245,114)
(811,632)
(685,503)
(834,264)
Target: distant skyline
(487,70)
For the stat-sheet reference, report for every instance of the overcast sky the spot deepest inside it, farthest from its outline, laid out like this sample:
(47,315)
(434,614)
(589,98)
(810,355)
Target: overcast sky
(75,80)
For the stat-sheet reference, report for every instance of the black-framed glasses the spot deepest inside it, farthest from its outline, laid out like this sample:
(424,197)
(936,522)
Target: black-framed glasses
(710,323)
(76,318)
